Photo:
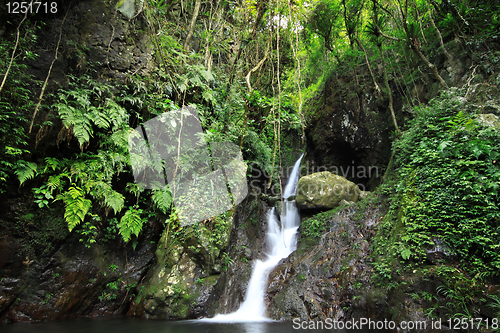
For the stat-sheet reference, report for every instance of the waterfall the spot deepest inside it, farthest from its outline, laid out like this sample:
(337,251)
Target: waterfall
(282,242)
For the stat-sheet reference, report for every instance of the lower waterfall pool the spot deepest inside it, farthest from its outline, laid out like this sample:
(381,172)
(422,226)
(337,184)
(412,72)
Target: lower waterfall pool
(134,325)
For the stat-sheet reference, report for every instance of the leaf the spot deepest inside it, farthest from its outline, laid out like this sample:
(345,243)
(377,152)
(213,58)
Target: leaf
(100,118)
(52,162)
(443,145)
(209,96)
(406,253)
(162,200)
(207,74)
(130,224)
(76,206)
(114,200)
(25,171)
(54,181)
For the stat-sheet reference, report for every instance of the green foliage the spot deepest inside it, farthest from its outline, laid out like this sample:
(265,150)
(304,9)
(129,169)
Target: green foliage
(448,187)
(471,17)
(88,233)
(15,101)
(111,291)
(87,105)
(131,223)
(227,261)
(77,206)
(42,195)
(495,305)
(316,226)
(25,170)
(162,199)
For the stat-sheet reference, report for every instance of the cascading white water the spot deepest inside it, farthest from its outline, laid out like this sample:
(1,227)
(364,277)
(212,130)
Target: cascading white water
(282,242)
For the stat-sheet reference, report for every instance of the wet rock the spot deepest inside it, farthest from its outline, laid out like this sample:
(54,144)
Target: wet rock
(48,274)
(204,275)
(439,252)
(247,243)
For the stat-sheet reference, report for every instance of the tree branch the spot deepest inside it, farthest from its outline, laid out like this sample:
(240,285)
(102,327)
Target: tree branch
(44,86)
(13,51)
(192,24)
(368,63)
(247,77)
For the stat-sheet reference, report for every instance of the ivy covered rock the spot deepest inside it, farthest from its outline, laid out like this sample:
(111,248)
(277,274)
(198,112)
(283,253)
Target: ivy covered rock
(324,190)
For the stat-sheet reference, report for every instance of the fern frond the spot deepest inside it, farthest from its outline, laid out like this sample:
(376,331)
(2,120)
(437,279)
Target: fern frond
(99,118)
(54,182)
(52,162)
(130,224)
(78,118)
(133,188)
(120,138)
(67,114)
(162,200)
(25,171)
(76,206)
(114,200)
(83,129)
(117,114)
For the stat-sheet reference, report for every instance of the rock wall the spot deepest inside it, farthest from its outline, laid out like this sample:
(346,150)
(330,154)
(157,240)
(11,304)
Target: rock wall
(349,128)
(48,273)
(96,39)
(200,277)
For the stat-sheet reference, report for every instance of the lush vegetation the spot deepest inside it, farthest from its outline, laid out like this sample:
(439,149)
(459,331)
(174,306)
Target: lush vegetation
(443,197)
(254,71)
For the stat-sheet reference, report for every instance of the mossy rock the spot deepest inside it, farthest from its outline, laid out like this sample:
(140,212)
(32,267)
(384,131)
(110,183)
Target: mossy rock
(489,120)
(325,190)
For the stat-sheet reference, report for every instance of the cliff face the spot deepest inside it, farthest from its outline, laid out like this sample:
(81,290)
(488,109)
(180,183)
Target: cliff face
(349,127)
(46,272)
(96,39)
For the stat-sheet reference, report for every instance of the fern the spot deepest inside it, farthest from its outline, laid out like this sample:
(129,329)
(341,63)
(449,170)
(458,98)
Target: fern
(25,171)
(117,114)
(82,130)
(76,206)
(76,119)
(99,118)
(54,182)
(51,162)
(130,223)
(114,200)
(162,200)
(119,139)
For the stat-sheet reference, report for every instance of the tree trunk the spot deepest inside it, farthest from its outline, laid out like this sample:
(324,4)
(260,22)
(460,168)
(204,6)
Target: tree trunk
(417,50)
(368,63)
(448,56)
(389,92)
(415,44)
(192,24)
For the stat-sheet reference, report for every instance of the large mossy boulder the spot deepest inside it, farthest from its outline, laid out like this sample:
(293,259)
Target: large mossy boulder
(325,190)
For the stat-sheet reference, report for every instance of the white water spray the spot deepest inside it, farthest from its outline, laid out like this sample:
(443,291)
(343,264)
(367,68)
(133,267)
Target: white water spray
(282,242)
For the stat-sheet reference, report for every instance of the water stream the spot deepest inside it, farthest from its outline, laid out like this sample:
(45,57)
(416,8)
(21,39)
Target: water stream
(282,242)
